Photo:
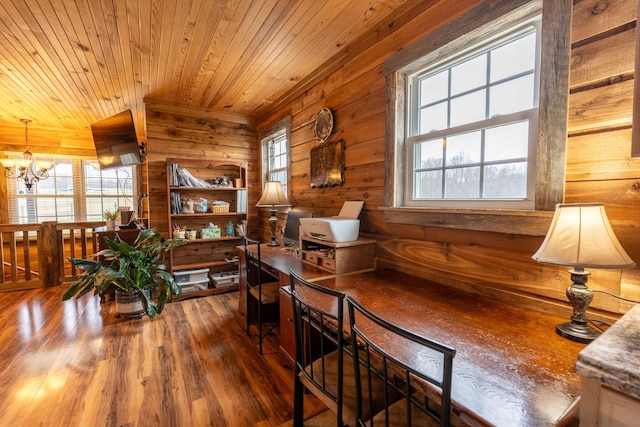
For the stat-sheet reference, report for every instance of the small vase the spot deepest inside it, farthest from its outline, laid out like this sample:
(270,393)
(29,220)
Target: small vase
(129,304)
(111,224)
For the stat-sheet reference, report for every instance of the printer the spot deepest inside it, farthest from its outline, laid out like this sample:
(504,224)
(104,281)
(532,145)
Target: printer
(342,228)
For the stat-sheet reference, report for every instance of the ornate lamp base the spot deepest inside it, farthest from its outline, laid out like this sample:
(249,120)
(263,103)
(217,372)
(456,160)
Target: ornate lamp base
(580,297)
(273,220)
(578,333)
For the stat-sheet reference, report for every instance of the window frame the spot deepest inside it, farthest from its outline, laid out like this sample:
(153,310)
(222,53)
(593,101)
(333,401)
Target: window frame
(553,104)
(412,79)
(279,129)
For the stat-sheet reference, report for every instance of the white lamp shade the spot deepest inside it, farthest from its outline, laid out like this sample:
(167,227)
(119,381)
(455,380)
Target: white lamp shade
(43,165)
(273,195)
(8,163)
(580,236)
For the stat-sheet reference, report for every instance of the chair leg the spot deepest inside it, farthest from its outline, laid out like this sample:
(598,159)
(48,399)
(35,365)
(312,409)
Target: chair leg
(248,311)
(260,325)
(298,400)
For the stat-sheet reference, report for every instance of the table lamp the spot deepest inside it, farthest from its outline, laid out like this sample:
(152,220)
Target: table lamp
(580,236)
(273,196)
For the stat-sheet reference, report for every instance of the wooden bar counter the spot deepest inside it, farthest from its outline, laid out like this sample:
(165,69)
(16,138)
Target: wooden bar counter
(510,369)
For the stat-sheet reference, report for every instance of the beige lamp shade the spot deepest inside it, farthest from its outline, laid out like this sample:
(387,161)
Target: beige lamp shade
(273,195)
(580,236)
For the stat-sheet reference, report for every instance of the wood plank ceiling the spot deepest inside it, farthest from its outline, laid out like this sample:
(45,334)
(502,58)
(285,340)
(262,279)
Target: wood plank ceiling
(67,63)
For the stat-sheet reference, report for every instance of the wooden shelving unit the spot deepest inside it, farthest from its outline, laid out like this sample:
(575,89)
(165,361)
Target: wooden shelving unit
(207,253)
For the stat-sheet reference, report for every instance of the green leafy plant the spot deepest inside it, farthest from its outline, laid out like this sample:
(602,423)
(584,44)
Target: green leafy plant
(109,215)
(130,268)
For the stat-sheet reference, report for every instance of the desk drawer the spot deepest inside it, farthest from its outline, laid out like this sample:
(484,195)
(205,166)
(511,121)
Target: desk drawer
(328,263)
(311,258)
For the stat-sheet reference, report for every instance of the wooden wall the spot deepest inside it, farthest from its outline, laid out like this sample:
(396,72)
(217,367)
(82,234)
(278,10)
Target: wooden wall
(599,167)
(186,132)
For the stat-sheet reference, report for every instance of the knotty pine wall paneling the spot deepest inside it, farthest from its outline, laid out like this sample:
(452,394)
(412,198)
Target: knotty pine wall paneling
(599,168)
(178,131)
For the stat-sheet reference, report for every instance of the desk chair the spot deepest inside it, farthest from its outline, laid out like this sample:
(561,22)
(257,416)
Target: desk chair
(264,294)
(323,362)
(389,352)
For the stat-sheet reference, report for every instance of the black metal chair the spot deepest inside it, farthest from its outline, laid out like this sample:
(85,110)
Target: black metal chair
(389,353)
(259,294)
(324,364)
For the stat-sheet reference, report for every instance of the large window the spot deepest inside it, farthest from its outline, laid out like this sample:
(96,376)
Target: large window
(276,154)
(76,190)
(477,113)
(473,124)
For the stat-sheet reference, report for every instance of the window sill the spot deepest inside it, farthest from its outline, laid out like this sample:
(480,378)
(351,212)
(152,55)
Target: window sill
(529,223)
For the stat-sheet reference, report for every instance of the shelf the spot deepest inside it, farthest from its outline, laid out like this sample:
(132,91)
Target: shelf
(198,265)
(206,189)
(327,244)
(205,292)
(213,239)
(196,215)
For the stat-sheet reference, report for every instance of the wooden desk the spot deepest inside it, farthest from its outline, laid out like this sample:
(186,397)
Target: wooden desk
(510,369)
(277,262)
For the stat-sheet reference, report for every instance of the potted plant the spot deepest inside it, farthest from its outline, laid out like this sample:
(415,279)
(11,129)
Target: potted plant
(138,270)
(110,218)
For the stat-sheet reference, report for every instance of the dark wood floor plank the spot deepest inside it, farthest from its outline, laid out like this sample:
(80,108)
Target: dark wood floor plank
(74,363)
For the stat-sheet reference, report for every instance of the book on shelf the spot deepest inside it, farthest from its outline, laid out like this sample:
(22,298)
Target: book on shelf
(242,201)
(172,170)
(175,203)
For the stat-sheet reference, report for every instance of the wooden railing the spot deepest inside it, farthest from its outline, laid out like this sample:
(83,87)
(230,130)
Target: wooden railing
(35,255)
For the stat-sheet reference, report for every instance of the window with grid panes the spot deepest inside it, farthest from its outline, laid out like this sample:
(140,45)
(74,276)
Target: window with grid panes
(472,124)
(76,190)
(277,154)
(107,189)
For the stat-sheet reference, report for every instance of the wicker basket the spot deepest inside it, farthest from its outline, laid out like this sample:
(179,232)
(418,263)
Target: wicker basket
(219,208)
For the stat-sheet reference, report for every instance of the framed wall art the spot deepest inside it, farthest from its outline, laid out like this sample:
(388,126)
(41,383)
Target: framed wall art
(327,164)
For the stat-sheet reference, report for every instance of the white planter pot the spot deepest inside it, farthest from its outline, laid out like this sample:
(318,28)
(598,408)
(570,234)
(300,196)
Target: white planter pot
(128,304)
(111,224)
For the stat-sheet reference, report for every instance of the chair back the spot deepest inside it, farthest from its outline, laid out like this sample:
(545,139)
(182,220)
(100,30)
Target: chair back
(412,366)
(253,263)
(261,292)
(318,328)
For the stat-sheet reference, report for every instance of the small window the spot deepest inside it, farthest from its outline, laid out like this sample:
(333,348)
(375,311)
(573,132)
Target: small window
(472,124)
(276,156)
(107,189)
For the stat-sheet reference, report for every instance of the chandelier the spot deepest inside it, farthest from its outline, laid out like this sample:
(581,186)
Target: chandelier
(26,169)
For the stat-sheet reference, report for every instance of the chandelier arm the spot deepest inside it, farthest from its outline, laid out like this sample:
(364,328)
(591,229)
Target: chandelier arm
(10,172)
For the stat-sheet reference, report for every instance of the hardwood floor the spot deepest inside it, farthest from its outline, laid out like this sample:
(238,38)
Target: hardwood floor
(74,363)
